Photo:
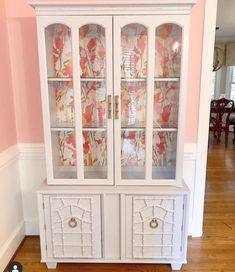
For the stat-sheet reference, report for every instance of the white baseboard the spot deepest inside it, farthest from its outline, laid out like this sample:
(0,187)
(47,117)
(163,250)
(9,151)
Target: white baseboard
(31,226)
(9,247)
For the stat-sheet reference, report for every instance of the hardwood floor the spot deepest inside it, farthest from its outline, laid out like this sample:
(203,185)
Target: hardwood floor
(215,251)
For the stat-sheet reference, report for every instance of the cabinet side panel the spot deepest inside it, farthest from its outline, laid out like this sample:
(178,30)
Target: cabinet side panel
(111,228)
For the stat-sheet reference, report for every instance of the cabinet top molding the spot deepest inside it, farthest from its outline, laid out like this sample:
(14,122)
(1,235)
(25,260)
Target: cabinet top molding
(73,7)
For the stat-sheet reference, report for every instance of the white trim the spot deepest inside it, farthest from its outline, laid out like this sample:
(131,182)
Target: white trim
(31,151)
(204,111)
(9,247)
(31,226)
(8,156)
(37,151)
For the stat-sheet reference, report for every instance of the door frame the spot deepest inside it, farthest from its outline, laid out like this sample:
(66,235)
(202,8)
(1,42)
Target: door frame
(204,113)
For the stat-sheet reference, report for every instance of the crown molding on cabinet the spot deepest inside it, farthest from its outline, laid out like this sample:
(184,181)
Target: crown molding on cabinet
(111,7)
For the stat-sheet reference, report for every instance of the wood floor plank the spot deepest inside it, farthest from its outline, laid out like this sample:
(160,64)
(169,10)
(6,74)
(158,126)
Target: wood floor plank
(214,251)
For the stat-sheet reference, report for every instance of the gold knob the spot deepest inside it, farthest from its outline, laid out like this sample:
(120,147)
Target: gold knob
(72,223)
(153,223)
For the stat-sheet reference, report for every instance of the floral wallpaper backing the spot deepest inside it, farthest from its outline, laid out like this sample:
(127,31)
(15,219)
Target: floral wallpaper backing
(134,51)
(168,50)
(67,148)
(92,51)
(94,148)
(133,148)
(64,102)
(93,104)
(166,96)
(164,148)
(133,103)
(59,50)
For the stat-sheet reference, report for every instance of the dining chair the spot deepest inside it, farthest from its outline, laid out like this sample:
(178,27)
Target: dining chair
(220,121)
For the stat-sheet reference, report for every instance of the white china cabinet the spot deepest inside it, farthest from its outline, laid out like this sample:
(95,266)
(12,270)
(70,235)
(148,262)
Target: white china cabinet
(113,83)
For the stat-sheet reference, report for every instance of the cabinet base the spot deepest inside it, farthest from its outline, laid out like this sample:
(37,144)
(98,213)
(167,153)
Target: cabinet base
(176,266)
(51,265)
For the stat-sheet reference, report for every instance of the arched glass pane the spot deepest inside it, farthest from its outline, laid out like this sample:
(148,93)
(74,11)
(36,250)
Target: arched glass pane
(168,50)
(168,42)
(92,50)
(58,51)
(134,51)
(133,100)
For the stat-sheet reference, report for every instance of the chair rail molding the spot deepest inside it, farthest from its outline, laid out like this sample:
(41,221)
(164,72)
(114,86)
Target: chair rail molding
(204,113)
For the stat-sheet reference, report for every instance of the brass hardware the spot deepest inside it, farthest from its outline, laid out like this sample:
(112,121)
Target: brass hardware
(153,223)
(109,106)
(72,223)
(116,107)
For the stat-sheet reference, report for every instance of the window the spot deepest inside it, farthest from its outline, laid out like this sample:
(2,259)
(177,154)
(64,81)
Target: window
(232,83)
(213,85)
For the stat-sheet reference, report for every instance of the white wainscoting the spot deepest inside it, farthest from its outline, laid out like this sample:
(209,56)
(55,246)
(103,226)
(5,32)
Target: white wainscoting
(12,228)
(33,172)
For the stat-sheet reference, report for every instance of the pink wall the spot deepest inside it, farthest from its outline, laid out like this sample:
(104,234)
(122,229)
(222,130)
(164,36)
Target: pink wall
(7,116)
(25,81)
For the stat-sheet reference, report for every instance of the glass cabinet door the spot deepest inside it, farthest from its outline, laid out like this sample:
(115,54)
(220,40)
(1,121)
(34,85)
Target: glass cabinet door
(78,89)
(147,83)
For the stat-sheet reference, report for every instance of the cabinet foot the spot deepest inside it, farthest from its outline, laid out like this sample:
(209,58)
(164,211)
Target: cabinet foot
(176,266)
(51,265)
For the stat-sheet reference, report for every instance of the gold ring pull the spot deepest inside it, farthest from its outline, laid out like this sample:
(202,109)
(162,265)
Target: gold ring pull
(153,223)
(116,107)
(72,223)
(109,106)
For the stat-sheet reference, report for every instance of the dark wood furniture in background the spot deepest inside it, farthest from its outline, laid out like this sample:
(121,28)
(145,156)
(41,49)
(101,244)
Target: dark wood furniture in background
(221,118)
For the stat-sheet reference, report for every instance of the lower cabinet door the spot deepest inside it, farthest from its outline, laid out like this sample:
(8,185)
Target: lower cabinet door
(73,226)
(154,226)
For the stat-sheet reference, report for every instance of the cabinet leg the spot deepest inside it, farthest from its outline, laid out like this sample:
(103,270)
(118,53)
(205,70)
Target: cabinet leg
(176,266)
(51,265)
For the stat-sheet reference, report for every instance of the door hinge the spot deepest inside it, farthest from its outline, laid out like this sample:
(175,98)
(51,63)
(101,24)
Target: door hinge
(181,248)
(45,227)
(46,247)
(43,205)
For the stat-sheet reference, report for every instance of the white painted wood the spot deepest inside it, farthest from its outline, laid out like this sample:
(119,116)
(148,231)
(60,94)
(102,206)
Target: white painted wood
(204,112)
(111,230)
(51,265)
(113,207)
(176,266)
(12,229)
(112,7)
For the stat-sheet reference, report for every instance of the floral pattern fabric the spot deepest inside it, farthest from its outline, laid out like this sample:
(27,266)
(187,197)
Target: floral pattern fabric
(166,96)
(164,148)
(92,51)
(134,51)
(93,104)
(66,147)
(59,51)
(133,103)
(168,50)
(64,102)
(94,148)
(133,148)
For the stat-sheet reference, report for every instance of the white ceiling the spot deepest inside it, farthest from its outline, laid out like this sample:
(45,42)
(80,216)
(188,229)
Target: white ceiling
(225,21)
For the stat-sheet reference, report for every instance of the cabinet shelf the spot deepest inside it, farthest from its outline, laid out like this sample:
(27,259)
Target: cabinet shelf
(160,79)
(166,79)
(94,128)
(143,128)
(88,79)
(53,79)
